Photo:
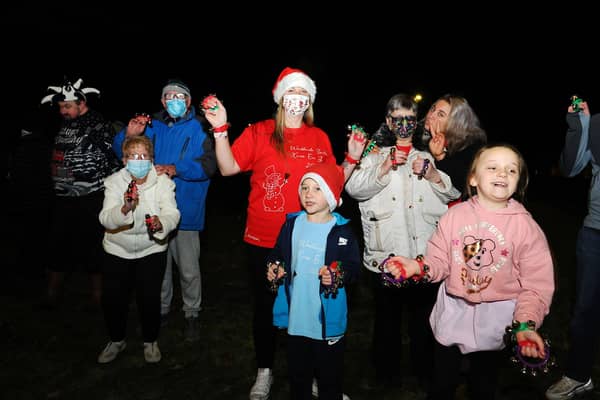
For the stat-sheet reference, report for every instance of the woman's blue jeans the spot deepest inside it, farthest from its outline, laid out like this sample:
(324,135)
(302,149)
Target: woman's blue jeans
(585,322)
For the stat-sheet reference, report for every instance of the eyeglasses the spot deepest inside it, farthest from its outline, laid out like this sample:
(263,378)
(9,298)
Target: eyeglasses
(135,156)
(171,96)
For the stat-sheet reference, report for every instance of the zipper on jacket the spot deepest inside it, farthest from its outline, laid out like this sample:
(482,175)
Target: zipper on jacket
(185,145)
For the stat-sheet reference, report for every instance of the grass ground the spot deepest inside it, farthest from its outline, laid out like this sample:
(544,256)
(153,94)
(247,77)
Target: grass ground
(52,355)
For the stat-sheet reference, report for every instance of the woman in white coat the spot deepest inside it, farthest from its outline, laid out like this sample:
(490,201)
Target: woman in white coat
(138,213)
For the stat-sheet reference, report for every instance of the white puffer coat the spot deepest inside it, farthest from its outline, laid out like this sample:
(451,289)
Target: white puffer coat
(399,212)
(126,236)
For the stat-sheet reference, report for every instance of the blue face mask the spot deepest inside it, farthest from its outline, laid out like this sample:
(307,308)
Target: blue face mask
(139,168)
(176,108)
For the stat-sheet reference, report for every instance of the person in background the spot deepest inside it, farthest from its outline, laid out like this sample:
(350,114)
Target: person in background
(317,255)
(30,188)
(496,270)
(401,197)
(453,135)
(138,213)
(184,153)
(276,152)
(582,148)
(81,158)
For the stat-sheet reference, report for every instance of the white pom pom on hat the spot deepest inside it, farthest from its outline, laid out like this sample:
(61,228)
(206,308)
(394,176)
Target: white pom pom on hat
(330,178)
(293,77)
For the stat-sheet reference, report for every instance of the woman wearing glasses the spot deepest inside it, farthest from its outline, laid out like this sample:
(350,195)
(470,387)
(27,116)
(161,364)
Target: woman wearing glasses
(138,213)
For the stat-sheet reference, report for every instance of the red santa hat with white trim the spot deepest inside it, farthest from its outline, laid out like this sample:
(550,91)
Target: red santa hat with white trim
(293,77)
(330,178)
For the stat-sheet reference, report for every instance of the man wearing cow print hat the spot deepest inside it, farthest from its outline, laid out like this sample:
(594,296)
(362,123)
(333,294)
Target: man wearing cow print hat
(82,157)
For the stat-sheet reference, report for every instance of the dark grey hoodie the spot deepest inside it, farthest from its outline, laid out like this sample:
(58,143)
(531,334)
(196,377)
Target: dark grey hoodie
(582,146)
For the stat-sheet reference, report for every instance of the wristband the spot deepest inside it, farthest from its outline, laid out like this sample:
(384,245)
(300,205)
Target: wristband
(423,269)
(523,326)
(222,128)
(351,160)
(219,135)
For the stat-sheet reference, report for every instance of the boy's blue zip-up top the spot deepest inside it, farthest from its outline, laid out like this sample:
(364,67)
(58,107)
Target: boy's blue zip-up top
(341,246)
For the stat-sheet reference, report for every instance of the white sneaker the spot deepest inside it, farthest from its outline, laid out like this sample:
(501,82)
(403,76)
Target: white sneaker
(315,391)
(152,352)
(261,388)
(566,388)
(111,351)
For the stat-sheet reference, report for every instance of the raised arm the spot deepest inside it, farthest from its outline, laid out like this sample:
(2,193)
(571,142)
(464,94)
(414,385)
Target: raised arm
(576,154)
(216,115)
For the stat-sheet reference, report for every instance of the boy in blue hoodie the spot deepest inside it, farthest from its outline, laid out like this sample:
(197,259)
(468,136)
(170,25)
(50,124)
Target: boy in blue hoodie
(315,256)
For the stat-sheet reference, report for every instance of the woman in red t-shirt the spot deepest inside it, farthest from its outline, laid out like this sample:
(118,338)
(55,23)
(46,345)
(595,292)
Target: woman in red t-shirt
(276,152)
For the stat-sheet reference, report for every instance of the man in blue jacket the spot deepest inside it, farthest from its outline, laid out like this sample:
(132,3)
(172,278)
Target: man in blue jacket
(186,154)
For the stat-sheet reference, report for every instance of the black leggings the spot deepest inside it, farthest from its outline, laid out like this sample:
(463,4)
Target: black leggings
(264,333)
(122,277)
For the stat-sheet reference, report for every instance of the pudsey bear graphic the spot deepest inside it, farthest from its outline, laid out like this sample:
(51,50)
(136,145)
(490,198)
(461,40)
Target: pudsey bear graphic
(478,252)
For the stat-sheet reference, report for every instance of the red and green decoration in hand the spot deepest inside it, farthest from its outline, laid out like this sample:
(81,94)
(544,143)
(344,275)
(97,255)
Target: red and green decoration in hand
(337,280)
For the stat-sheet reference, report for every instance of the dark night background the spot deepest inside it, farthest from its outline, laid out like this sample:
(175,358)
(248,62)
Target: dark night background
(517,65)
(516,68)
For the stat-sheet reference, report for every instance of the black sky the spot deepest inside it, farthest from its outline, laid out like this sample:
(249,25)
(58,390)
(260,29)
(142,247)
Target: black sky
(517,69)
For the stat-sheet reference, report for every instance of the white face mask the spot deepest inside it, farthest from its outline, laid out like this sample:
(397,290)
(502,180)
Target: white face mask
(295,104)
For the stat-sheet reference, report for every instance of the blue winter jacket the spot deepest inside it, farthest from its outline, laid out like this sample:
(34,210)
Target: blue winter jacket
(183,143)
(341,246)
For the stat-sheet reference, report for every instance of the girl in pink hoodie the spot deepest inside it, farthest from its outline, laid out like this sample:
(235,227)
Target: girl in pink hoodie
(496,267)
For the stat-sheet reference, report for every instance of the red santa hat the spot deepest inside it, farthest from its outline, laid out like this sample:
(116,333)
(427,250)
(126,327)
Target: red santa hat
(292,77)
(330,178)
